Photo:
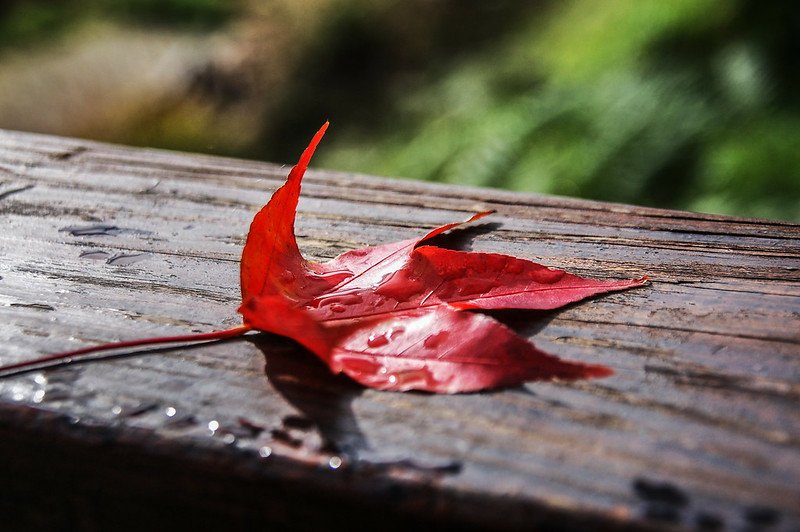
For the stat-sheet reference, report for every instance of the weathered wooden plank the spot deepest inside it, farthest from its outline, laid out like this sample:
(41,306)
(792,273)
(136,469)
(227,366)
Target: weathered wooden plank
(699,425)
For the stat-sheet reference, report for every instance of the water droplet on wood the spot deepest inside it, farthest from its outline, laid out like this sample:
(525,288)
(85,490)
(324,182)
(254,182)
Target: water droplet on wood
(101,230)
(265,451)
(126,259)
(94,255)
(35,306)
(91,230)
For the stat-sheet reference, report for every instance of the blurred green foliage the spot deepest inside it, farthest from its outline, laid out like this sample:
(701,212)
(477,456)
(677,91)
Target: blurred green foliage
(689,104)
(25,22)
(684,104)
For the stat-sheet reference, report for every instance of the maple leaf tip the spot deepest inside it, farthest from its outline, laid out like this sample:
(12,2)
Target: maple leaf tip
(598,372)
(305,158)
(481,214)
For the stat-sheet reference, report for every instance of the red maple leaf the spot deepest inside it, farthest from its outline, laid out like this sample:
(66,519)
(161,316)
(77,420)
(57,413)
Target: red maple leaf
(397,316)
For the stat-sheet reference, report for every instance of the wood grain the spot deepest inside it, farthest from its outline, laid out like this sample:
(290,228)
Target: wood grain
(698,428)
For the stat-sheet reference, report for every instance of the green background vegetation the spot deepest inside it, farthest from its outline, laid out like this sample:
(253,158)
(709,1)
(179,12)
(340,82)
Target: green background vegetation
(689,104)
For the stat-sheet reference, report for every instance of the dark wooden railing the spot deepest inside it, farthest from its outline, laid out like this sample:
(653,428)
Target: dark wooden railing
(698,428)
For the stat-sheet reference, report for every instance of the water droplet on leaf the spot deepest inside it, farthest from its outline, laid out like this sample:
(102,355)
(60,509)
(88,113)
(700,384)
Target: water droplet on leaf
(433,341)
(400,286)
(377,340)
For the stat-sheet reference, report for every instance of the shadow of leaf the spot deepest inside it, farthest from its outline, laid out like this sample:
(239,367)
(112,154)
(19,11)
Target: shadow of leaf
(323,400)
(461,238)
(526,323)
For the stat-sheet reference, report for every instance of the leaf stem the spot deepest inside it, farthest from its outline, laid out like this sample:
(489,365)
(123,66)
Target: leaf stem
(66,355)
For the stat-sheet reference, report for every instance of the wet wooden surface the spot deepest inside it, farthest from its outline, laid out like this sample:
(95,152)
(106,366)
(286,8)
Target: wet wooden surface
(698,428)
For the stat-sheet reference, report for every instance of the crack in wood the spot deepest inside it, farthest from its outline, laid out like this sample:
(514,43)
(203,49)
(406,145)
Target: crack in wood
(11,191)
